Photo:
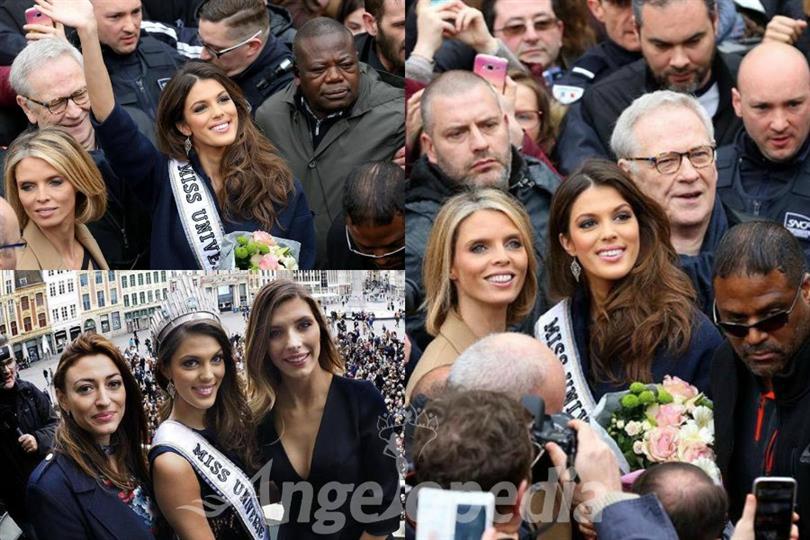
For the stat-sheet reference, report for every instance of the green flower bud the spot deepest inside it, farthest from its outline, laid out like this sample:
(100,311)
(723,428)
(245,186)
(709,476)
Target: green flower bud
(664,397)
(630,401)
(646,397)
(637,387)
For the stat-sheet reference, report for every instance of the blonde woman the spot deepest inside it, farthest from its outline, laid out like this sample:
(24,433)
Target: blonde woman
(54,187)
(479,273)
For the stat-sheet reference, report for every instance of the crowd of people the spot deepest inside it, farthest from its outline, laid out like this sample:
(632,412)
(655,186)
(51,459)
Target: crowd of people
(622,184)
(171,128)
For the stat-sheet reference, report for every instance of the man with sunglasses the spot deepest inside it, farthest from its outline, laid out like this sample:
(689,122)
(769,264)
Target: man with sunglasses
(665,142)
(236,36)
(760,378)
(765,173)
(370,232)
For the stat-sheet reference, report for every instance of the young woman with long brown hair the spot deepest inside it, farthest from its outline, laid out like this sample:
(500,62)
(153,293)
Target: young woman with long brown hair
(214,173)
(315,426)
(628,312)
(96,484)
(205,442)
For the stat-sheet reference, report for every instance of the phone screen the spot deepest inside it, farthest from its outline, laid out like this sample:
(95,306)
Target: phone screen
(774,509)
(471,522)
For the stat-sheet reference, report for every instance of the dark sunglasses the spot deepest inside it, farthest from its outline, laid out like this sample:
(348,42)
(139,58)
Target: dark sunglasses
(769,324)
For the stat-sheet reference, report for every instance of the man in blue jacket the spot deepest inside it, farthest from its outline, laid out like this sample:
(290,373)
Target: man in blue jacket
(236,37)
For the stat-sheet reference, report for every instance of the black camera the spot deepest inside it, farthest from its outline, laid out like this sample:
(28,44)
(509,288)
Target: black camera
(551,428)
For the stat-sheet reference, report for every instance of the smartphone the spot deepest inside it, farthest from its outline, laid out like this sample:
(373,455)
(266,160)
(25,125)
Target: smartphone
(493,69)
(453,515)
(776,499)
(34,16)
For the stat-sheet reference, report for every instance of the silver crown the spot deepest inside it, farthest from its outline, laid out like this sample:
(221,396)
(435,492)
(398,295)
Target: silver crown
(185,303)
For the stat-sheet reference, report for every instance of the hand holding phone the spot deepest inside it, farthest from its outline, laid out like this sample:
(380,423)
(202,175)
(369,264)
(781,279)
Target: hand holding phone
(776,498)
(493,69)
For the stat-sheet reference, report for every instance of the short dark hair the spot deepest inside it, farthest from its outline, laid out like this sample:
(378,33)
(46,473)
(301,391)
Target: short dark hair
(711,7)
(374,193)
(376,8)
(243,16)
(318,27)
(758,248)
(481,437)
(696,506)
(488,10)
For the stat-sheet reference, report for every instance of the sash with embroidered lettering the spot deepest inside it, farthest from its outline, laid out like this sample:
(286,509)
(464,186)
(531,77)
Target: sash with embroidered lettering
(219,472)
(554,328)
(198,214)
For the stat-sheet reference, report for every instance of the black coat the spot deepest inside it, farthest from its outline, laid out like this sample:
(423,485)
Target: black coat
(30,413)
(733,387)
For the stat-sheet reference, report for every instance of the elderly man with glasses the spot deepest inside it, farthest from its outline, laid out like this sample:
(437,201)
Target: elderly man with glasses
(236,36)
(760,378)
(665,142)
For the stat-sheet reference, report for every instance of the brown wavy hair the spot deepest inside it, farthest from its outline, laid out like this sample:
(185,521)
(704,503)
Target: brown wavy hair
(255,177)
(651,307)
(229,417)
(263,377)
(76,443)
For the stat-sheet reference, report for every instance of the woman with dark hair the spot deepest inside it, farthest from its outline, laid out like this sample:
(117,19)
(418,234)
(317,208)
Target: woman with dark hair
(628,312)
(315,425)
(215,173)
(96,484)
(205,441)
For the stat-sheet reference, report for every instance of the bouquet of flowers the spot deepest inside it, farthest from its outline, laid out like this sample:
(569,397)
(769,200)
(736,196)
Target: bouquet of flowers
(654,423)
(258,250)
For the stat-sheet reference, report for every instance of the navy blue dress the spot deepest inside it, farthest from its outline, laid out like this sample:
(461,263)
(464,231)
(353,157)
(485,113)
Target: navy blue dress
(135,159)
(349,450)
(693,366)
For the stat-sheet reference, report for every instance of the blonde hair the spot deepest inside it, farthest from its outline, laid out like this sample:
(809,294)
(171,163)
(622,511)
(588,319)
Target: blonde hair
(60,150)
(440,295)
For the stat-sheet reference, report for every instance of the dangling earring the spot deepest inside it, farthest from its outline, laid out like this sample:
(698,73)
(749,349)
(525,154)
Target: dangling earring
(187,145)
(576,269)
(171,390)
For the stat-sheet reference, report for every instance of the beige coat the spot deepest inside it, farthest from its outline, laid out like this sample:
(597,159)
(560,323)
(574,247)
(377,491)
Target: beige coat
(41,255)
(454,337)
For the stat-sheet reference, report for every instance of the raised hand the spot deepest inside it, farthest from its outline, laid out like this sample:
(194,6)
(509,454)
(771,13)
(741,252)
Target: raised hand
(75,13)
(34,32)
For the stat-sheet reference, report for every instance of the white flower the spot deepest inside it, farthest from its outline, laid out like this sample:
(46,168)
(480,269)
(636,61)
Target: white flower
(638,448)
(710,468)
(691,431)
(620,424)
(632,428)
(646,425)
(704,417)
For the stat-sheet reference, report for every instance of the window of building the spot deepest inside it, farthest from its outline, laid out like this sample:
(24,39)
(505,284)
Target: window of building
(149,296)
(143,297)
(64,312)
(140,278)
(13,328)
(42,320)
(113,296)
(72,311)
(70,286)
(148,278)
(24,303)
(61,287)
(99,277)
(27,324)
(86,301)
(124,281)
(116,320)
(55,314)
(40,299)
(100,296)
(52,289)
(83,279)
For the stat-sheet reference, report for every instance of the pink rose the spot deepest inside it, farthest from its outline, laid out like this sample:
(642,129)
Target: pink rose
(661,444)
(264,238)
(268,262)
(691,450)
(679,388)
(670,414)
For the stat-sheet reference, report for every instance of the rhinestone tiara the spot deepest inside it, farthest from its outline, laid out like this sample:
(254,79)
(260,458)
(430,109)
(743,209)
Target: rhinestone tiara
(185,303)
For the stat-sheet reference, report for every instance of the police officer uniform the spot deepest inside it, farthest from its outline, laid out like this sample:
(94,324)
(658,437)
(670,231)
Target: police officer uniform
(270,72)
(753,187)
(598,61)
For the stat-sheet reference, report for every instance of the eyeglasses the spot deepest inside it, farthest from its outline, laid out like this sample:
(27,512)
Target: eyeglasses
(369,255)
(769,324)
(519,28)
(217,53)
(58,106)
(670,162)
(528,119)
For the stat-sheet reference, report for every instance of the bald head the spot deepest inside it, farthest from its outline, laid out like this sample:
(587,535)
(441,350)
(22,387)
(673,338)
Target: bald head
(433,383)
(512,363)
(9,234)
(449,85)
(773,99)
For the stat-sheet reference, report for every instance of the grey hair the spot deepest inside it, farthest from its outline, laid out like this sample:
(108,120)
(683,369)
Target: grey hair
(623,140)
(493,363)
(32,58)
(711,6)
(450,83)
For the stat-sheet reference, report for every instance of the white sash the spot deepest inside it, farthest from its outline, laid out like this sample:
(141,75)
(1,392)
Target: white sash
(554,328)
(198,214)
(219,472)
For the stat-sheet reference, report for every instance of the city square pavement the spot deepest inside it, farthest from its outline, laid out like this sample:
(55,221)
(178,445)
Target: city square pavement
(234,323)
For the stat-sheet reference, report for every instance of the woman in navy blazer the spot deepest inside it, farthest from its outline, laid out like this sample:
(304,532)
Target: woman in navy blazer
(95,484)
